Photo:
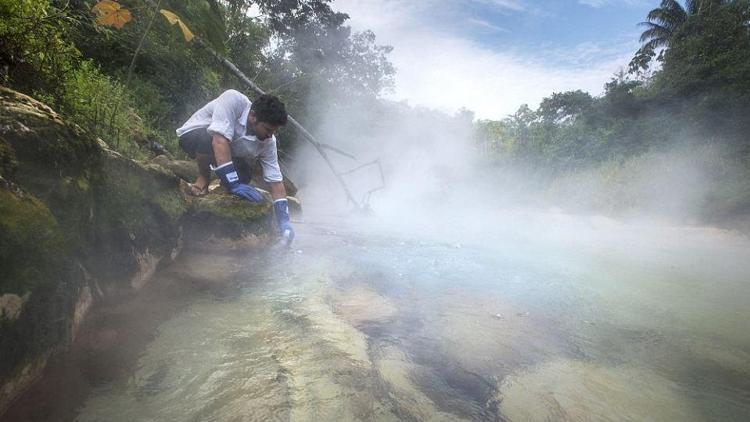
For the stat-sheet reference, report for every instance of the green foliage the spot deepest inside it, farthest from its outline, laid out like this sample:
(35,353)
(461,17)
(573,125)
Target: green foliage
(564,107)
(247,37)
(174,78)
(495,138)
(34,52)
(102,106)
(204,17)
(709,66)
(610,152)
(317,53)
(709,51)
(56,51)
(664,22)
(696,181)
(702,93)
(42,60)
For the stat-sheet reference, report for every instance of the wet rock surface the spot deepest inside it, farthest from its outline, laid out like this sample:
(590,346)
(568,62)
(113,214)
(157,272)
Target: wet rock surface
(369,332)
(80,224)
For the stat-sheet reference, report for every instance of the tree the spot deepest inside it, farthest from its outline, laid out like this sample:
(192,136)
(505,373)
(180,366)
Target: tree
(662,23)
(620,100)
(707,71)
(710,50)
(35,52)
(310,56)
(315,50)
(247,37)
(564,107)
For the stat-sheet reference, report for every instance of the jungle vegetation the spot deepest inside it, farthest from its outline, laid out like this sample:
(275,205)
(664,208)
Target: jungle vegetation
(688,86)
(686,89)
(57,51)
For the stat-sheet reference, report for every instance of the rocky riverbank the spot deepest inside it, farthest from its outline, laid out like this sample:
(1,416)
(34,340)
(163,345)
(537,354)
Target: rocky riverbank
(81,225)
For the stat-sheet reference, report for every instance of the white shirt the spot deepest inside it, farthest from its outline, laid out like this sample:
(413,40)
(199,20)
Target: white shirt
(227,116)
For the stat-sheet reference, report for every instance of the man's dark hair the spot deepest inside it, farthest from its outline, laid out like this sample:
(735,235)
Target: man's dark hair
(269,109)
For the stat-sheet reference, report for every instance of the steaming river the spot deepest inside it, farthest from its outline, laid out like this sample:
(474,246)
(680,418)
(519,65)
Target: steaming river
(372,324)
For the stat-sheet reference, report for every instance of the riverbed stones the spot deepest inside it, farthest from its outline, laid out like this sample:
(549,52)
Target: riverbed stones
(397,371)
(361,304)
(578,390)
(471,334)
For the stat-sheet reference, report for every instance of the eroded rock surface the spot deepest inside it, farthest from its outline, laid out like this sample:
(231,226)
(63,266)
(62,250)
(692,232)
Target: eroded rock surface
(81,223)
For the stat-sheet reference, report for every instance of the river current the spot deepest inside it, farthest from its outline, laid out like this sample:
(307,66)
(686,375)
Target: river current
(619,322)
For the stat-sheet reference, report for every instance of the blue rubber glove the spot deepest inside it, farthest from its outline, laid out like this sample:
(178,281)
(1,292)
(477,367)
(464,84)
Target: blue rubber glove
(228,176)
(281,208)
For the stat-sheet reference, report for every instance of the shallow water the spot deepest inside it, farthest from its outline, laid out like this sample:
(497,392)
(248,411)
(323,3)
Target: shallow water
(368,324)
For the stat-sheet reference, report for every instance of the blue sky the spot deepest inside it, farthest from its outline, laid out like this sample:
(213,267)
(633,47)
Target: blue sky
(491,56)
(549,24)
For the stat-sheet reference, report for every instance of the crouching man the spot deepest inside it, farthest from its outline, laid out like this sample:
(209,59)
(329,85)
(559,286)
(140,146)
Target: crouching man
(233,127)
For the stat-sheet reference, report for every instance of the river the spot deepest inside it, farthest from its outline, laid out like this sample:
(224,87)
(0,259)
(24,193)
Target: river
(545,317)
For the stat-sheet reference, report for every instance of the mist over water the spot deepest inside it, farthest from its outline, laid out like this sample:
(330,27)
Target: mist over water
(453,300)
(607,281)
(648,308)
(373,324)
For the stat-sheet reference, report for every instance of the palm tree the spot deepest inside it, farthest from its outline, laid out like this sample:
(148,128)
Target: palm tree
(663,22)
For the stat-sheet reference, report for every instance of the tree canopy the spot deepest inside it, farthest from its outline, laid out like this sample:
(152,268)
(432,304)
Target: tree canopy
(701,93)
(59,51)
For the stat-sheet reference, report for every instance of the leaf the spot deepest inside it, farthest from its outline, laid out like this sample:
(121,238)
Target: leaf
(171,17)
(174,19)
(106,7)
(111,13)
(186,32)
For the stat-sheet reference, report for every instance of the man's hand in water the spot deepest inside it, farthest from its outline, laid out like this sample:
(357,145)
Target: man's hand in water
(281,208)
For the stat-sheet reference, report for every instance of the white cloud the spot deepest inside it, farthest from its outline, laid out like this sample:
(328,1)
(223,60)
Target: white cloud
(513,5)
(593,3)
(442,69)
(601,3)
(483,24)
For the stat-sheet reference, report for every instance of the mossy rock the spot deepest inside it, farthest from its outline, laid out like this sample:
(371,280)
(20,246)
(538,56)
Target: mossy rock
(38,287)
(41,138)
(224,215)
(69,205)
(31,242)
(49,158)
(111,210)
(185,170)
(137,209)
(8,162)
(188,171)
